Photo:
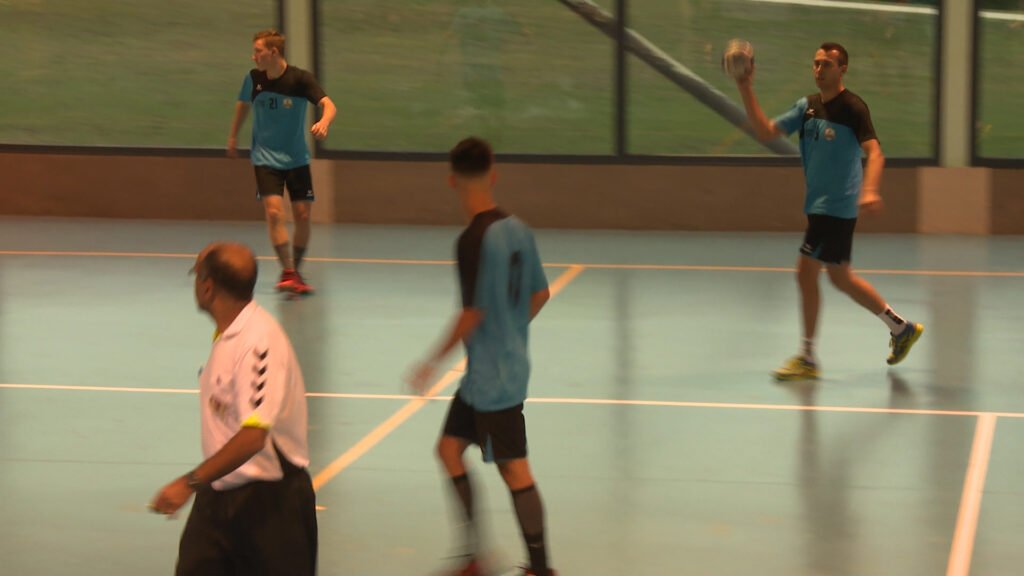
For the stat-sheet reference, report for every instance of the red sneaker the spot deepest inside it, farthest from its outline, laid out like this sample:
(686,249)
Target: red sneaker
(287,281)
(299,285)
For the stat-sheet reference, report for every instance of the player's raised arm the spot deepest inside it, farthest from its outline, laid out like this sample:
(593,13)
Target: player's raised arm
(738,62)
(764,128)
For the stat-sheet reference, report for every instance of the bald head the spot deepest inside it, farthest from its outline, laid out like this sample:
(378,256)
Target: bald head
(230,266)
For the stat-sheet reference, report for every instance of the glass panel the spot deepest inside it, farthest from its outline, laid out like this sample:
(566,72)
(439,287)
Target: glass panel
(126,72)
(892,67)
(418,75)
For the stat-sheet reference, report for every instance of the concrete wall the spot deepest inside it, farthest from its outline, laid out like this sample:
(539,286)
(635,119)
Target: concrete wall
(918,200)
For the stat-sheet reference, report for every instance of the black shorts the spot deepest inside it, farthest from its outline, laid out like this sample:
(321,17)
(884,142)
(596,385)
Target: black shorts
(829,239)
(501,435)
(271,182)
(261,528)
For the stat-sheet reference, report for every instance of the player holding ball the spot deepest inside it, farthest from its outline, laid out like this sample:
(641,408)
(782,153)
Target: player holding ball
(835,131)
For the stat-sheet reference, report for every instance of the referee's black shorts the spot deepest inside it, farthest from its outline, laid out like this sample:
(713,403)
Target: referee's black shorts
(260,529)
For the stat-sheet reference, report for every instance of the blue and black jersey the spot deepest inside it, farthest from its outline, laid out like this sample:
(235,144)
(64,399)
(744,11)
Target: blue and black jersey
(279,116)
(831,134)
(499,271)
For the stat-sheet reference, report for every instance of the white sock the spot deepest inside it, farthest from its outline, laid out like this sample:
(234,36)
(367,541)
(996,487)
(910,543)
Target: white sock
(894,321)
(807,349)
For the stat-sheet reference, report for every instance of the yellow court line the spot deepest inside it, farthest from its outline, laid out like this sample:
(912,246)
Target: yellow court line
(384,428)
(428,262)
(413,406)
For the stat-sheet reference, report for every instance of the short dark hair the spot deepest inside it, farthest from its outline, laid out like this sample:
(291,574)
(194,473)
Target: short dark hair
(236,282)
(844,57)
(271,38)
(471,157)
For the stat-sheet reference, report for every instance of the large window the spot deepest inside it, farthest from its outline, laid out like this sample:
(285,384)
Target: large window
(1000,90)
(416,75)
(892,50)
(532,76)
(125,72)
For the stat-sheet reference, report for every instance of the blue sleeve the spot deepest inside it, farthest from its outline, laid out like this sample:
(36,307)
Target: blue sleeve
(538,280)
(245,95)
(791,120)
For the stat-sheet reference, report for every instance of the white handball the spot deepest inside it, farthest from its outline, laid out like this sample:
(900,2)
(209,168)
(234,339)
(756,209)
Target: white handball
(738,59)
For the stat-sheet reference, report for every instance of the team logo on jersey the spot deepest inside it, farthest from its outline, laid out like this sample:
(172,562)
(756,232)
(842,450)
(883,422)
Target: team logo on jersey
(288,103)
(810,111)
(830,134)
(259,87)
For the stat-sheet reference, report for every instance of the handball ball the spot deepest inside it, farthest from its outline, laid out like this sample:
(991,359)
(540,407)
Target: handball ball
(738,59)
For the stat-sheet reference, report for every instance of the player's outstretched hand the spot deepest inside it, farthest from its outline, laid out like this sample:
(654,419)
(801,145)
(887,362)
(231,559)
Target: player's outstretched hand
(419,379)
(319,130)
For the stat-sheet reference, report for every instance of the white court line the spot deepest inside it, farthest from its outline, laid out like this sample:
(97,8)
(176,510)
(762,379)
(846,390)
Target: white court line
(877,7)
(663,267)
(970,501)
(862,271)
(355,396)
(569,401)
(100,388)
(783,407)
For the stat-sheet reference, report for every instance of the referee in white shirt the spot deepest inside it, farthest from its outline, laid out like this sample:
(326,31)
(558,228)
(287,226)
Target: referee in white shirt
(255,509)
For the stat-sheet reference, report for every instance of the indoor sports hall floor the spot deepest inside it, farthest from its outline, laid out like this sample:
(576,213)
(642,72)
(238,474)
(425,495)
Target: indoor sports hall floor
(660,443)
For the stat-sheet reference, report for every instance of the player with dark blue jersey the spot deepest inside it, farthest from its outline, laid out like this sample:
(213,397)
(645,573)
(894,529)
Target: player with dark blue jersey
(835,131)
(503,287)
(278,94)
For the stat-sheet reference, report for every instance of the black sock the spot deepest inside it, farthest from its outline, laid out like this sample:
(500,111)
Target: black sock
(464,490)
(284,255)
(530,512)
(299,252)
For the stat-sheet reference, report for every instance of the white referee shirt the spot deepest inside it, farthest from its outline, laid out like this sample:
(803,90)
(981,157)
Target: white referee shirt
(252,379)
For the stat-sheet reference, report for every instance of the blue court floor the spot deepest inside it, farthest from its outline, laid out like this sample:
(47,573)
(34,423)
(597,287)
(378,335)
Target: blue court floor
(660,443)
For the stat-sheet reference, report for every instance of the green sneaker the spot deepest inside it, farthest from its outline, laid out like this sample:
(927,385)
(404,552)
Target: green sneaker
(902,342)
(797,368)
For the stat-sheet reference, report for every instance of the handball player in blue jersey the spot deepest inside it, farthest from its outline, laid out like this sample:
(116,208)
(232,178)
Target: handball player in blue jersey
(836,132)
(278,92)
(503,287)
